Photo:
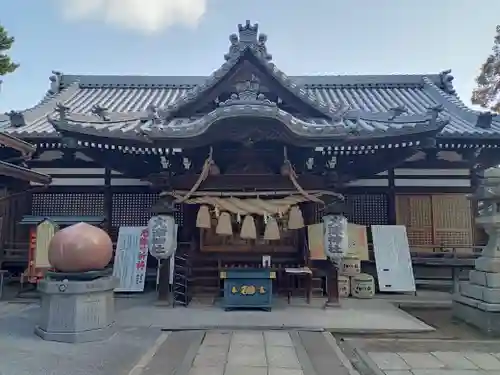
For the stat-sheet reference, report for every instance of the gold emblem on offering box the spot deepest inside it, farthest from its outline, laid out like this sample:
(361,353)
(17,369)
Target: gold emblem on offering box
(248,290)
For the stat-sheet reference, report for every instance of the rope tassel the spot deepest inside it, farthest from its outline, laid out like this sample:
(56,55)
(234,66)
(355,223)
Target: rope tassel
(224,226)
(295,218)
(203,220)
(272,231)
(248,230)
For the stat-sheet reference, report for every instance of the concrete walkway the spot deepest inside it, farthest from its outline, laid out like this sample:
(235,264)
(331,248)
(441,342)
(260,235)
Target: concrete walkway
(427,357)
(247,353)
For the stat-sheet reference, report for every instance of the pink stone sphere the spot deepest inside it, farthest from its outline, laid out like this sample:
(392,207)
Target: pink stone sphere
(79,248)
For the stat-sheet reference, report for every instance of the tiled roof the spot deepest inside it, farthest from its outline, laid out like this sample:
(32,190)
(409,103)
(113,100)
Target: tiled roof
(127,98)
(126,94)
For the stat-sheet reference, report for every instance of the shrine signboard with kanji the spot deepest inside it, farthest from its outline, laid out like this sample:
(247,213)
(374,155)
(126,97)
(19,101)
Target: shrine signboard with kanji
(131,259)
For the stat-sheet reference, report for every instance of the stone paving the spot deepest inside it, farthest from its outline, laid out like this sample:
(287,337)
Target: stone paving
(436,363)
(248,353)
(242,353)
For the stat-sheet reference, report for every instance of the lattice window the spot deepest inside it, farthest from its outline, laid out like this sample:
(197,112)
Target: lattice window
(415,212)
(362,209)
(134,209)
(367,209)
(54,204)
(436,220)
(452,219)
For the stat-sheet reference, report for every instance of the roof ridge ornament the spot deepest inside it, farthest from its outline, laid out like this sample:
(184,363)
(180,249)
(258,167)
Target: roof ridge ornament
(397,111)
(101,112)
(16,118)
(248,37)
(62,111)
(446,82)
(55,82)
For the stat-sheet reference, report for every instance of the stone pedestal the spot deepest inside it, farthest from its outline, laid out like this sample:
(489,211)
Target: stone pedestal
(76,311)
(478,300)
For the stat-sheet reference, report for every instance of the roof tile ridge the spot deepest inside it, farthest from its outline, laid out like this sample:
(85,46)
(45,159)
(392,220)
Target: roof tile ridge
(451,102)
(48,104)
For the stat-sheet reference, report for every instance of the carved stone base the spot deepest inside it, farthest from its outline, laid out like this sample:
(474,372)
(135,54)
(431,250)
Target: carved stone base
(76,311)
(482,315)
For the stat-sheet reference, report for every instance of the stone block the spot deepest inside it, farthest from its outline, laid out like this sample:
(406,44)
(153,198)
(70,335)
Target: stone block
(487,264)
(480,292)
(477,277)
(489,279)
(474,313)
(484,361)
(388,361)
(282,356)
(76,311)
(455,360)
(421,360)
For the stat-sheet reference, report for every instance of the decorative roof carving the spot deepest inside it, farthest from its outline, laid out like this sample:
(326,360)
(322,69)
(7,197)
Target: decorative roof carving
(446,82)
(247,92)
(101,112)
(62,110)
(248,37)
(16,118)
(152,114)
(397,111)
(55,82)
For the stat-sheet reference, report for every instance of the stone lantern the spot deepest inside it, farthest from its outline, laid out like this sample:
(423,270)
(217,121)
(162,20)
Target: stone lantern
(478,300)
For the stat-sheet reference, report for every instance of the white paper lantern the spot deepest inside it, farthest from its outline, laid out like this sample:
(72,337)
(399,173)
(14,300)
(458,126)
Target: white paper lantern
(335,237)
(162,236)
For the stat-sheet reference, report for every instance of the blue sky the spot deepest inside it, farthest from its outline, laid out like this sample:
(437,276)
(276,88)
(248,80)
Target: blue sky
(190,37)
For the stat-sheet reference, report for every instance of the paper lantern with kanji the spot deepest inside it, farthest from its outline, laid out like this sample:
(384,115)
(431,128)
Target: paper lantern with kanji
(79,248)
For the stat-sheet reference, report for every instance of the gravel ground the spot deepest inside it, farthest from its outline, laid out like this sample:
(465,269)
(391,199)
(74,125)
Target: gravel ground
(23,353)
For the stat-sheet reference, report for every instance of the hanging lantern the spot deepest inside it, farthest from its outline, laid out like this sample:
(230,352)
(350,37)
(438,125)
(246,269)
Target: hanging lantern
(335,234)
(162,236)
(162,230)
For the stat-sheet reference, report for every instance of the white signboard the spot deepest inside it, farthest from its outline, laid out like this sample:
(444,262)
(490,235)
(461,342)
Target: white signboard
(335,240)
(393,258)
(131,259)
(162,236)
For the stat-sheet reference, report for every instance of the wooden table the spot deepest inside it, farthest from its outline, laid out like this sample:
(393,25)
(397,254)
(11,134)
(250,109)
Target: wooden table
(294,273)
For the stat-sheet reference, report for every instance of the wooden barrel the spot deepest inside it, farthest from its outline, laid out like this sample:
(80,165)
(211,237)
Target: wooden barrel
(351,266)
(362,286)
(344,286)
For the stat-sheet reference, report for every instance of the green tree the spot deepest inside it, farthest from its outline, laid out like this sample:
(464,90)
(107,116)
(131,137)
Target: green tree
(487,91)
(6,64)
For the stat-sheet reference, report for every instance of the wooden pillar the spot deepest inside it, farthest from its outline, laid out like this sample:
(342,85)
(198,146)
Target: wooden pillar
(164,282)
(332,282)
(108,200)
(391,199)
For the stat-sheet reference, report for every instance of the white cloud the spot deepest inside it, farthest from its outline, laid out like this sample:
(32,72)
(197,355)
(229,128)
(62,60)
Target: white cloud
(148,16)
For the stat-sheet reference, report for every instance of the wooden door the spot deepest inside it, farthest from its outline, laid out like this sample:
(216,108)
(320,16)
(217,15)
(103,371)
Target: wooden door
(415,212)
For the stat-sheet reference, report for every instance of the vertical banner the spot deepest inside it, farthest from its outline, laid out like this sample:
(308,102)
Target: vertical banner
(131,259)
